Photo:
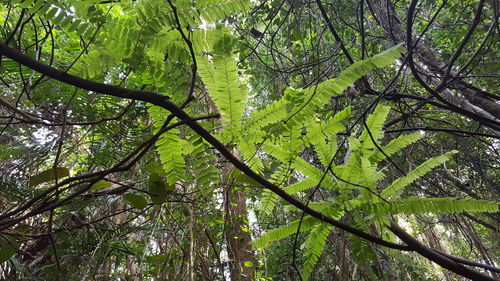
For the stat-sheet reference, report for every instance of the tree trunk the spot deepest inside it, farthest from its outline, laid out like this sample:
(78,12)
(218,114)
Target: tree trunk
(237,233)
(241,256)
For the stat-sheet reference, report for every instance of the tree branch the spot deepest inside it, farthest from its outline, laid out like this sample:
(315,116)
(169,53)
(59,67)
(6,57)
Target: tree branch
(163,101)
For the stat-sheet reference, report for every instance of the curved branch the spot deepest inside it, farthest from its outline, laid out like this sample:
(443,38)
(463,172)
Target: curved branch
(163,101)
(451,263)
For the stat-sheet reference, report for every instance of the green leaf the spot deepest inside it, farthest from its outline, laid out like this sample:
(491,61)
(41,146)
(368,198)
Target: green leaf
(248,264)
(397,186)
(48,175)
(447,205)
(361,249)
(136,200)
(221,79)
(308,101)
(158,190)
(374,124)
(154,168)
(286,230)
(394,146)
(242,178)
(52,12)
(314,245)
(8,248)
(101,185)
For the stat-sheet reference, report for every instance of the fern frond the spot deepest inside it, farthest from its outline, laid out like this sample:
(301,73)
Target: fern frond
(57,15)
(203,165)
(307,169)
(316,240)
(396,187)
(215,10)
(204,39)
(95,62)
(369,174)
(314,245)
(284,231)
(268,201)
(151,16)
(323,135)
(170,147)
(269,198)
(328,128)
(289,144)
(359,171)
(361,249)
(170,43)
(279,177)
(308,101)
(374,124)
(121,36)
(394,146)
(206,72)
(301,185)
(325,149)
(333,210)
(271,114)
(222,82)
(415,205)
(248,152)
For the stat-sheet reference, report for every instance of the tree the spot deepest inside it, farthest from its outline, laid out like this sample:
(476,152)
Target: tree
(156,140)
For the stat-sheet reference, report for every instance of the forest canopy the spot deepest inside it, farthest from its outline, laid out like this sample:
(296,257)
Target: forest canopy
(249,140)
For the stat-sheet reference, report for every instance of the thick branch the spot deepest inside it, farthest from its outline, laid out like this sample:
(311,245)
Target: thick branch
(165,102)
(449,262)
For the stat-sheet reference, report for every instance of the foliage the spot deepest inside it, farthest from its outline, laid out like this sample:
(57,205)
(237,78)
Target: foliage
(321,101)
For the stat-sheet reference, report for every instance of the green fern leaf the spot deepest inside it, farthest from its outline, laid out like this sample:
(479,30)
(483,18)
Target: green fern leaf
(323,135)
(271,114)
(368,174)
(279,177)
(397,186)
(269,198)
(202,164)
(248,152)
(170,147)
(301,185)
(394,146)
(284,231)
(221,79)
(314,245)
(374,124)
(415,205)
(308,101)
(361,250)
(215,10)
(268,201)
